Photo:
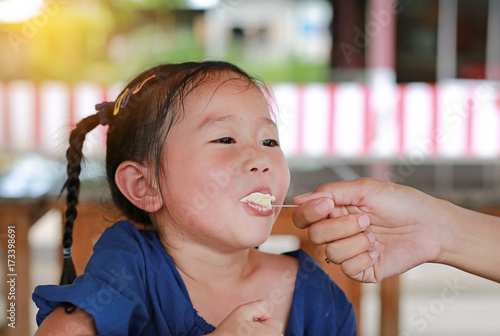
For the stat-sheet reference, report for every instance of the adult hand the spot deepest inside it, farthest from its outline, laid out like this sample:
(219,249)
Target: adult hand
(373,229)
(253,318)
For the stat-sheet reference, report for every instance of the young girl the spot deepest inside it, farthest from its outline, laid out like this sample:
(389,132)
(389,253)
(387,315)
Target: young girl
(193,153)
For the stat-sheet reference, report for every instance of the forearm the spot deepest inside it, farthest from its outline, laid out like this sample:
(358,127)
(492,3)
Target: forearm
(472,242)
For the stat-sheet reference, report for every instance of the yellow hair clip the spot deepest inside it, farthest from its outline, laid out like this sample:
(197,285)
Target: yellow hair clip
(122,100)
(118,102)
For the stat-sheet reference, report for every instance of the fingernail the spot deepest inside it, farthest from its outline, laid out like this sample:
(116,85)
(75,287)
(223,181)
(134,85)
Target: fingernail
(324,207)
(363,221)
(373,254)
(371,236)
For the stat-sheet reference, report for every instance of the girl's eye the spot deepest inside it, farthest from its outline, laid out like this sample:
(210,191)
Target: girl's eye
(226,140)
(270,143)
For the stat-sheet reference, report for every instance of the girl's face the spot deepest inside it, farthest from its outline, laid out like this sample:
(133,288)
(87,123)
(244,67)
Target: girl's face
(224,147)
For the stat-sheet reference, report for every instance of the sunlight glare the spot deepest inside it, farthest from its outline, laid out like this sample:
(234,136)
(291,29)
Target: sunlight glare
(16,11)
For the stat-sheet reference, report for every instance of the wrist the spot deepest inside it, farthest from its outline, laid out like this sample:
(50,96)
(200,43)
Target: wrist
(471,242)
(450,224)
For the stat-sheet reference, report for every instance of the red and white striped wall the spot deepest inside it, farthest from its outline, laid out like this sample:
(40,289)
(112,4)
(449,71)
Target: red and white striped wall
(37,117)
(345,120)
(452,120)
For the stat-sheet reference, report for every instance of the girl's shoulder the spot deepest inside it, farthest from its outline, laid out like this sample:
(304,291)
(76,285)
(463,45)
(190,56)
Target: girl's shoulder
(297,265)
(125,235)
(279,261)
(296,261)
(277,267)
(124,245)
(303,268)
(293,260)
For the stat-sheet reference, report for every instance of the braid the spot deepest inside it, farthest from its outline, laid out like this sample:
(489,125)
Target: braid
(74,155)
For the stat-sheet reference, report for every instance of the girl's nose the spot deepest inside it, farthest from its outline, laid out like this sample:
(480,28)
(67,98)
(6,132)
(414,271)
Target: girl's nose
(257,161)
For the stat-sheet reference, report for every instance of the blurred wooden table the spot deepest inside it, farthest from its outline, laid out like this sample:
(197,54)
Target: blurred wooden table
(93,219)
(16,218)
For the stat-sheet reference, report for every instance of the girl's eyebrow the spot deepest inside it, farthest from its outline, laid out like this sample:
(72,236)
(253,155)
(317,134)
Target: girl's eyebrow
(270,121)
(210,120)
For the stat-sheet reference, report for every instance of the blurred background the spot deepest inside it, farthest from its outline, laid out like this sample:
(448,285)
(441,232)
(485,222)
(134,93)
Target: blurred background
(405,91)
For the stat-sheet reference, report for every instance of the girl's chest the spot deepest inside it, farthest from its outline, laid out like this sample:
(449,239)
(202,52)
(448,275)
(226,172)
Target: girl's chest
(216,307)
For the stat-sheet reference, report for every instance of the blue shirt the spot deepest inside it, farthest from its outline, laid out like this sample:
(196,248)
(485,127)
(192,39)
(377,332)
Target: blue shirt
(132,287)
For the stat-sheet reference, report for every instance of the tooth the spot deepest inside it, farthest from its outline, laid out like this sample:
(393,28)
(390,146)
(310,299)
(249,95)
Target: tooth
(259,207)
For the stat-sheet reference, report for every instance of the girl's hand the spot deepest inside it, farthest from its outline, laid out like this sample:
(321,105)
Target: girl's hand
(374,229)
(250,319)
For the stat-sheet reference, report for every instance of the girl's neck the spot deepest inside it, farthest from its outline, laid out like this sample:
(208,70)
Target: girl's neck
(203,262)
(204,265)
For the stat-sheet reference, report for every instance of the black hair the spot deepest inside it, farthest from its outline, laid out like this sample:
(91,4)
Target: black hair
(138,127)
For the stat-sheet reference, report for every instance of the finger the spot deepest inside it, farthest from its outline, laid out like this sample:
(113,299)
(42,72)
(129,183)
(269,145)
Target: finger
(355,267)
(312,211)
(331,229)
(341,250)
(342,193)
(254,311)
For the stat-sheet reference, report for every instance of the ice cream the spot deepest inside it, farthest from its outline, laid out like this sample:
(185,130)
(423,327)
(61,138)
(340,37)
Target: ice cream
(259,199)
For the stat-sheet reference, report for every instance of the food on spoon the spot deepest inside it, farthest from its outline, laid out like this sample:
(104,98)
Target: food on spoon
(259,198)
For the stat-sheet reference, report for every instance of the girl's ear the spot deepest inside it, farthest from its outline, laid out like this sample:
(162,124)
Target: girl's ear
(134,181)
